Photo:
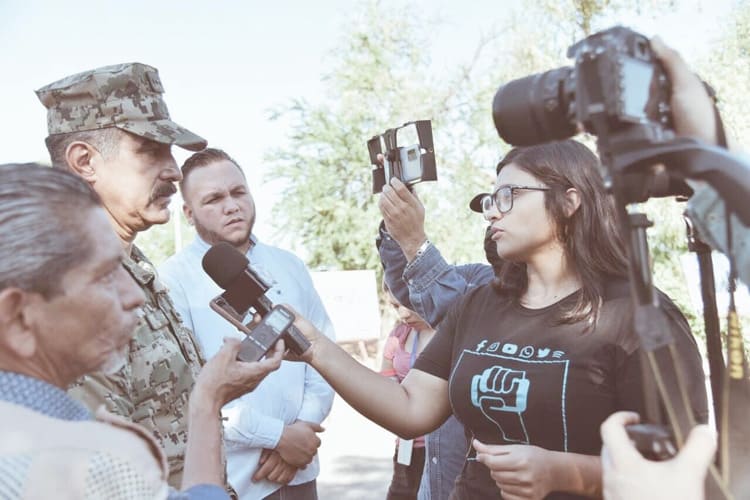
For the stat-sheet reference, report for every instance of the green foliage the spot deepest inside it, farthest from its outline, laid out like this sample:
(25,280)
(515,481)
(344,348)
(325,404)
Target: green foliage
(378,82)
(727,69)
(324,171)
(667,247)
(381,78)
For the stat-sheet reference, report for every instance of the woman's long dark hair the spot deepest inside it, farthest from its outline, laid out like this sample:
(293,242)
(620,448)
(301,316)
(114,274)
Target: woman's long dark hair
(590,237)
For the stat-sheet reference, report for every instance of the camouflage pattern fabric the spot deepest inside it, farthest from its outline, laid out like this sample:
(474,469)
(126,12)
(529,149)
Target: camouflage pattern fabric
(127,96)
(163,363)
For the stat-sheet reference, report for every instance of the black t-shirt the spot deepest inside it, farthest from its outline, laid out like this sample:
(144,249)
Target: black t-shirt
(517,377)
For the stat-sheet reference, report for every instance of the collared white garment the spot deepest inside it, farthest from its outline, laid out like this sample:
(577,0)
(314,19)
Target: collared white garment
(293,392)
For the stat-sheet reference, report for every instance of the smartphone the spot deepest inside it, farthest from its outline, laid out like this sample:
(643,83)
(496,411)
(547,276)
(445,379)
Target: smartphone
(264,335)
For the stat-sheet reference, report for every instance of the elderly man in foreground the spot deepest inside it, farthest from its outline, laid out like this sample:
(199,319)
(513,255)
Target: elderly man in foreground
(68,308)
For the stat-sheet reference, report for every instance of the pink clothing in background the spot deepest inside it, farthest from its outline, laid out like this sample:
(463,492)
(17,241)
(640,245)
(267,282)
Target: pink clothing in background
(395,351)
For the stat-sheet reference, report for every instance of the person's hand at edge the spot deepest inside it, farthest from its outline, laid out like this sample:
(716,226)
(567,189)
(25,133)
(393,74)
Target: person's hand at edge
(629,476)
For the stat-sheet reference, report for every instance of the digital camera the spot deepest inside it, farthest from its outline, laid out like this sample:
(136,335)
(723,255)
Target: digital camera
(410,164)
(616,87)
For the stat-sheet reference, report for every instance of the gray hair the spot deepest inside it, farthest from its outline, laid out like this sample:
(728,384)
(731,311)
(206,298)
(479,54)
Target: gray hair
(41,236)
(106,141)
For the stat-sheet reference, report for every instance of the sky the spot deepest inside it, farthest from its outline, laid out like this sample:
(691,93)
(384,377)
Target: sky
(224,64)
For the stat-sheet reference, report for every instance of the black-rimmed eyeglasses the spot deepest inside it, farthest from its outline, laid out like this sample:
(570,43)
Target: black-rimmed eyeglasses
(503,196)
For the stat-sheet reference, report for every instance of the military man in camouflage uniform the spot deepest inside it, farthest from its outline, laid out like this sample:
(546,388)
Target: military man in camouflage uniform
(111,126)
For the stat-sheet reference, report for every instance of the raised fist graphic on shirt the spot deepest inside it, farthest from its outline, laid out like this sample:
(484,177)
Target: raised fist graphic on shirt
(501,394)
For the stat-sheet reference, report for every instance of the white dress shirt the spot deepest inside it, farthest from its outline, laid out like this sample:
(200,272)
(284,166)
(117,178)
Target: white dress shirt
(293,392)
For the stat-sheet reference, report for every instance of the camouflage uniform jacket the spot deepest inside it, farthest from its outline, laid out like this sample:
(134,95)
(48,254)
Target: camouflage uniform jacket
(164,359)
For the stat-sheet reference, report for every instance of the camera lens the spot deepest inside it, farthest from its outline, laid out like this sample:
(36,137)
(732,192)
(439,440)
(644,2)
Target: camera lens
(534,109)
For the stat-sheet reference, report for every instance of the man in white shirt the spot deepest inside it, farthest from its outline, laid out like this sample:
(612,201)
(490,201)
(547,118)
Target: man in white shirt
(271,433)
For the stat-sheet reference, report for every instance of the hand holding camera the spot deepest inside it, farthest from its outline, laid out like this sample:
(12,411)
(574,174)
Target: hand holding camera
(410,164)
(616,88)
(403,215)
(692,108)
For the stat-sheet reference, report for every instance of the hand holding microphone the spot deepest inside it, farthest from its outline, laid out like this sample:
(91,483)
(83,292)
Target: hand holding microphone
(244,291)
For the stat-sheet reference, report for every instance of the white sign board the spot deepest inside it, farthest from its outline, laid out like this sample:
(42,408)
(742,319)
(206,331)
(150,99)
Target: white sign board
(351,299)
(721,273)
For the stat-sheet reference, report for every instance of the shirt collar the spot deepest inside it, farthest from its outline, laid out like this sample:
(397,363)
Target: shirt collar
(203,246)
(37,395)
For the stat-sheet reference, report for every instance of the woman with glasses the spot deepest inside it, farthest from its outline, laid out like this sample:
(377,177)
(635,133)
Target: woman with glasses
(534,362)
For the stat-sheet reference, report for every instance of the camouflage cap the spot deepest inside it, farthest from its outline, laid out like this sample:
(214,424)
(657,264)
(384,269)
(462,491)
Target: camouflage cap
(127,96)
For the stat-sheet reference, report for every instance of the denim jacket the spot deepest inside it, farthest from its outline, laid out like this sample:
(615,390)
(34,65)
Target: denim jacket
(428,284)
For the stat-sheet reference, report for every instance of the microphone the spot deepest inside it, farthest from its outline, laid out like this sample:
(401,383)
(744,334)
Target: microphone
(231,270)
(244,291)
(223,263)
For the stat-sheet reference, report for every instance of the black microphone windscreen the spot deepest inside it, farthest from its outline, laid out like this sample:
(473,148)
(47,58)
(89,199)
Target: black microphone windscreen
(223,263)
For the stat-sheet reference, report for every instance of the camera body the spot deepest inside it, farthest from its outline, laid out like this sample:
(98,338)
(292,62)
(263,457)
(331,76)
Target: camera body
(410,164)
(248,295)
(654,442)
(615,89)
